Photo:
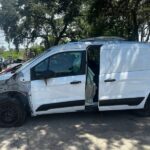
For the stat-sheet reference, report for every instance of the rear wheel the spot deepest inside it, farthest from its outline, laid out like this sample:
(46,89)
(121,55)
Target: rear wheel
(12,113)
(144,112)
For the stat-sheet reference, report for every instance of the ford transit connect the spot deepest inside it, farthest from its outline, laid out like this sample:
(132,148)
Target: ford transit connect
(93,74)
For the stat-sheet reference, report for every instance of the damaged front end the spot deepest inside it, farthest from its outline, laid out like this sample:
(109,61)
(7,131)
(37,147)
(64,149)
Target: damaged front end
(14,101)
(13,83)
(3,81)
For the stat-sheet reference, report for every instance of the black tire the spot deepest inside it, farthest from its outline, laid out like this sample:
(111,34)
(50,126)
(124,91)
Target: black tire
(12,113)
(144,112)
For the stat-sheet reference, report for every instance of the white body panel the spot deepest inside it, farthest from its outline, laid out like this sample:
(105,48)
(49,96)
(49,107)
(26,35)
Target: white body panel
(57,90)
(129,65)
(127,85)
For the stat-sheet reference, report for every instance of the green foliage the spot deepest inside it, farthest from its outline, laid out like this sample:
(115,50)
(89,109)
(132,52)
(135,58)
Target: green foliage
(13,54)
(119,17)
(59,21)
(37,49)
(38,18)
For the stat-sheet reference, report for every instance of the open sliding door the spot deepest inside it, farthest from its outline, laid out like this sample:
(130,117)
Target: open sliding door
(92,73)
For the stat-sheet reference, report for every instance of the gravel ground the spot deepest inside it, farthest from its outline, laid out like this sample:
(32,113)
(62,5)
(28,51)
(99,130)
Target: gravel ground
(79,131)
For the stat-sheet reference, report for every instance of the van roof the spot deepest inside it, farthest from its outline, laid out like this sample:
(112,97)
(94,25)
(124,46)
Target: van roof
(103,38)
(82,45)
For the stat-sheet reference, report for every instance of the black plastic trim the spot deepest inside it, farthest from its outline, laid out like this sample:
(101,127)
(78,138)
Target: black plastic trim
(110,80)
(91,108)
(124,101)
(61,105)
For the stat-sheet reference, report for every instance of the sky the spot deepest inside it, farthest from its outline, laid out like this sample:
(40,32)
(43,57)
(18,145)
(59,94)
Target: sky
(6,45)
(3,42)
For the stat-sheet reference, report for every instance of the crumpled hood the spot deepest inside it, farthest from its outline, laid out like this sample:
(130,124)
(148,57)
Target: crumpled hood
(5,76)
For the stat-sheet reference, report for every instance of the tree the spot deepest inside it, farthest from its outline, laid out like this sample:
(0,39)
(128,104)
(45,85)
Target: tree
(30,19)
(119,17)
(8,21)
(24,21)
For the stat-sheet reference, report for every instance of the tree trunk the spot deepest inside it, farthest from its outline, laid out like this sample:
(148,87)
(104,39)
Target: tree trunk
(46,43)
(57,40)
(17,48)
(135,35)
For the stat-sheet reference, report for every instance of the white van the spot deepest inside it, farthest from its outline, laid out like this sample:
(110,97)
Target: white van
(93,74)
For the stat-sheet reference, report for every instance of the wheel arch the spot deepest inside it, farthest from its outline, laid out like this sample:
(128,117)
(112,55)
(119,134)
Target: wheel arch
(22,98)
(147,101)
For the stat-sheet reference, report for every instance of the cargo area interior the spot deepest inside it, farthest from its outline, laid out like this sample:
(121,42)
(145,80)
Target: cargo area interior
(93,62)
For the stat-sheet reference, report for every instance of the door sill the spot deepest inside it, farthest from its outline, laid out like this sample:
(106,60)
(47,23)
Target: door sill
(91,108)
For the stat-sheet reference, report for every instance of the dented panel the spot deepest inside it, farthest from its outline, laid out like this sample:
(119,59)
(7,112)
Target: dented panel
(14,84)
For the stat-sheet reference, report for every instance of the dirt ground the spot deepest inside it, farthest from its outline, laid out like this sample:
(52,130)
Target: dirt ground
(79,131)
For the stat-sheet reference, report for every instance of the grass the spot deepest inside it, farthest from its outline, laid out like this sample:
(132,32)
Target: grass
(12,54)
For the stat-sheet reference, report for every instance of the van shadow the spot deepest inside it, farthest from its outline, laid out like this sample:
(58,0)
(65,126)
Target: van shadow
(73,131)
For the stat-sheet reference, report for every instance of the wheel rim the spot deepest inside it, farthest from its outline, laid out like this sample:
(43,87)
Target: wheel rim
(8,115)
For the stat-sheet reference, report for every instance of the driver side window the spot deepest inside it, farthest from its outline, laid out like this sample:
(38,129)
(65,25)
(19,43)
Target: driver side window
(66,64)
(39,70)
(60,65)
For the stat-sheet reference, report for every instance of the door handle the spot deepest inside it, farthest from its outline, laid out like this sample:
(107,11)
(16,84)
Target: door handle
(75,82)
(110,80)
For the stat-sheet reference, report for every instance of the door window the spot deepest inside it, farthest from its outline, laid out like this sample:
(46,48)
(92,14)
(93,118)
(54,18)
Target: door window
(65,64)
(40,70)
(59,65)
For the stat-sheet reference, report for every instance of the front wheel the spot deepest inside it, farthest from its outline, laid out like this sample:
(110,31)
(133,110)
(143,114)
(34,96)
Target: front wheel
(12,113)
